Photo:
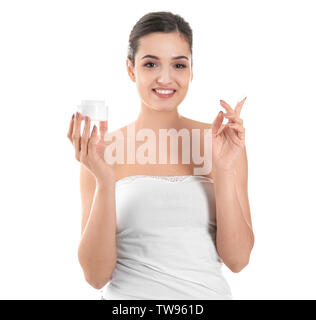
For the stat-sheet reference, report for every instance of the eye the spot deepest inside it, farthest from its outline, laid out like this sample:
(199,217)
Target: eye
(148,63)
(180,64)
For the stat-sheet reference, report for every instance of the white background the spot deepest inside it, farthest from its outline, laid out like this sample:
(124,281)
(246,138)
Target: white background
(56,53)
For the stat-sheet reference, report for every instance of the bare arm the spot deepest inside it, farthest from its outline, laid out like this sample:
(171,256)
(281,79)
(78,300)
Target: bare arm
(235,238)
(97,249)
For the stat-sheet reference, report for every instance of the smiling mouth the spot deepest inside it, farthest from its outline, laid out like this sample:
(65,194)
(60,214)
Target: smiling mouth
(164,95)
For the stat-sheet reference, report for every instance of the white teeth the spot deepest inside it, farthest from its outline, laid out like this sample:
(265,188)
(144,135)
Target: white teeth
(164,91)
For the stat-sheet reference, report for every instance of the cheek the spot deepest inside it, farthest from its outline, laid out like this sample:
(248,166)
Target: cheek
(183,84)
(145,79)
(183,78)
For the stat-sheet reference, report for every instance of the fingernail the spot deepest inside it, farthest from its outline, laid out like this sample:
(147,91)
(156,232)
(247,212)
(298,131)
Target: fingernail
(73,115)
(77,115)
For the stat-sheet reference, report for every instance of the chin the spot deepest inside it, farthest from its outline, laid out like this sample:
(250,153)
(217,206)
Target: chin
(159,106)
(162,108)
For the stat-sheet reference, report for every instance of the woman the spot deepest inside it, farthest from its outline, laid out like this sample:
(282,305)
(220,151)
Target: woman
(159,231)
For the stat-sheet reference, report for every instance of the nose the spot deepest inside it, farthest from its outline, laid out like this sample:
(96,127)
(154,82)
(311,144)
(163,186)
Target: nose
(164,77)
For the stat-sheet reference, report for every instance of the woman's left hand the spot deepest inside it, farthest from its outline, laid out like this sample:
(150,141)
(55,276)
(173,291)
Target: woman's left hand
(228,141)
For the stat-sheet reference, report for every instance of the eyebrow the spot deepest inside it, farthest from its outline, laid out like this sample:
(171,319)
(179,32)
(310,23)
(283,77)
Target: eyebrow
(174,58)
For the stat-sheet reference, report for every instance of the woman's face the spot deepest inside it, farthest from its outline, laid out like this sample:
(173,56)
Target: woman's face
(161,70)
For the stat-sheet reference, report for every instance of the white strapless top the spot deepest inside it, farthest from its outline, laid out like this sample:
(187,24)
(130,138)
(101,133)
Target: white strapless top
(165,237)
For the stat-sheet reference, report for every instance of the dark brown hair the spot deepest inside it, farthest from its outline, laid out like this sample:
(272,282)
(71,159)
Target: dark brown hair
(160,21)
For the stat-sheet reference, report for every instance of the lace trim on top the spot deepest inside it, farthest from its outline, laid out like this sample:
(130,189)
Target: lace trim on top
(162,178)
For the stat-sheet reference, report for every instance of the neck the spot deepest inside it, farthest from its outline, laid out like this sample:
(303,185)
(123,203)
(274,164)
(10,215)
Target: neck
(154,119)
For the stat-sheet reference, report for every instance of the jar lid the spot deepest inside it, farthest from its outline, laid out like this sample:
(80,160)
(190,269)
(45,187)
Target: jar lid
(95,109)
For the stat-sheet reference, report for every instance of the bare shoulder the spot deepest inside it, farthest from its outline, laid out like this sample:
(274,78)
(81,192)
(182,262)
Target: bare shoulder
(187,123)
(192,124)
(117,132)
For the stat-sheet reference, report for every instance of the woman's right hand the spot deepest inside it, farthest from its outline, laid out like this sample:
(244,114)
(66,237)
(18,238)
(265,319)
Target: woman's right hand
(89,150)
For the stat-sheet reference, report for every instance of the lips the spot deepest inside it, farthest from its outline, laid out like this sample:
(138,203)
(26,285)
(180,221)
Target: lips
(163,96)
(161,88)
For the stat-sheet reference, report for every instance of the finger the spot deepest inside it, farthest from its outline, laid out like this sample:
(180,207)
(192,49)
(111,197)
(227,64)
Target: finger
(235,138)
(104,125)
(240,105)
(226,106)
(103,128)
(239,129)
(71,128)
(217,123)
(76,135)
(93,141)
(233,118)
(85,138)
(221,129)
